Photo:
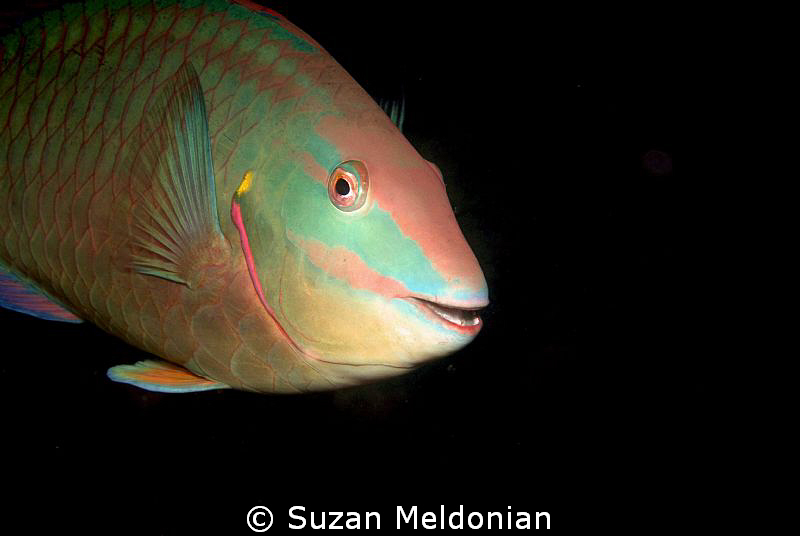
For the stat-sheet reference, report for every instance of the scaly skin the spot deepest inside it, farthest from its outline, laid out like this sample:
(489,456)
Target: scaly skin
(72,97)
(344,292)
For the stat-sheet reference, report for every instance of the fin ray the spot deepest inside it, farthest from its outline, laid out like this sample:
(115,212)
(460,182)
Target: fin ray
(162,377)
(19,295)
(396,110)
(176,213)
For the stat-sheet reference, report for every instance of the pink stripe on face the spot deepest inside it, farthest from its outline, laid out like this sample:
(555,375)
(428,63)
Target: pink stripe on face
(407,187)
(343,264)
(236,216)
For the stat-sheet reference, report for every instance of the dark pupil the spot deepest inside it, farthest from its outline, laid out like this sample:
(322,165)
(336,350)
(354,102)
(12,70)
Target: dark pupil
(342,187)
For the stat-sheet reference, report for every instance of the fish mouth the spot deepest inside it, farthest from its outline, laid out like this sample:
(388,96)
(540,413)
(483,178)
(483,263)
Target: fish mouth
(462,319)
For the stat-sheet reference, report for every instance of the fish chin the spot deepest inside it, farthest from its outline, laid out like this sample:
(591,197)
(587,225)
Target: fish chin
(335,324)
(414,331)
(345,375)
(376,337)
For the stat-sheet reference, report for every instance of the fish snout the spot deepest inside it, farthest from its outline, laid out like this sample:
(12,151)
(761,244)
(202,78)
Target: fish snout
(459,303)
(464,285)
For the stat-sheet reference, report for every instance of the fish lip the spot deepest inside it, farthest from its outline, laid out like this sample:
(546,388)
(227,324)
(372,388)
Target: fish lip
(446,314)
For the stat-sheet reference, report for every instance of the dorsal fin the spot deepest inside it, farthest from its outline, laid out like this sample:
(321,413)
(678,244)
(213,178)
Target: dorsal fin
(396,110)
(176,222)
(22,296)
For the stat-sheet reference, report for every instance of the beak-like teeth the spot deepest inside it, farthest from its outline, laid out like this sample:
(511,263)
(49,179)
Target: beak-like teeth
(461,317)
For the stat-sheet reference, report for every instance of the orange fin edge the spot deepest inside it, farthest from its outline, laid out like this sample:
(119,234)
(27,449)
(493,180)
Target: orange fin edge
(162,377)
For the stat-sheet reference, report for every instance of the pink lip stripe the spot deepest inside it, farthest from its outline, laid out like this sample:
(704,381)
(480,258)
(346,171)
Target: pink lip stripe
(236,216)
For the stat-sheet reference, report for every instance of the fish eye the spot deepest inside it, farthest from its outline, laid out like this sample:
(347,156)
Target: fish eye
(347,185)
(342,187)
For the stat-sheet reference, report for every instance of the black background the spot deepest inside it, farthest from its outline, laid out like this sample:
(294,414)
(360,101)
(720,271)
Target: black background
(584,394)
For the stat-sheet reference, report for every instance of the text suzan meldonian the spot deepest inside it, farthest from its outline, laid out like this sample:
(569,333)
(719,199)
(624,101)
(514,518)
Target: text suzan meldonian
(412,518)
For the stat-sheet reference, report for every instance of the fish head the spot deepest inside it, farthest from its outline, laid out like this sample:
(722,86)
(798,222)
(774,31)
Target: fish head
(358,252)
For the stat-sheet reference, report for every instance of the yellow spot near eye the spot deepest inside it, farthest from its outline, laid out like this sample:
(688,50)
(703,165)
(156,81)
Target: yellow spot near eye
(247,181)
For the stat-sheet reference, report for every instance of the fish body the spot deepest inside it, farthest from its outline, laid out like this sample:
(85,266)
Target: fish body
(203,180)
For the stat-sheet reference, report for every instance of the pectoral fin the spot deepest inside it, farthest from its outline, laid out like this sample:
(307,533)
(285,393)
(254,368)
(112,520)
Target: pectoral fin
(176,222)
(162,377)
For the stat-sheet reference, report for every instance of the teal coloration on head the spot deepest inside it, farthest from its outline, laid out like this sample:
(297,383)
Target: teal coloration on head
(394,255)
(324,153)
(350,235)
(392,283)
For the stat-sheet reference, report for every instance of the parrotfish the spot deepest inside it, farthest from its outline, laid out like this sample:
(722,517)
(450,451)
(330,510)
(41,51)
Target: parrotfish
(201,179)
